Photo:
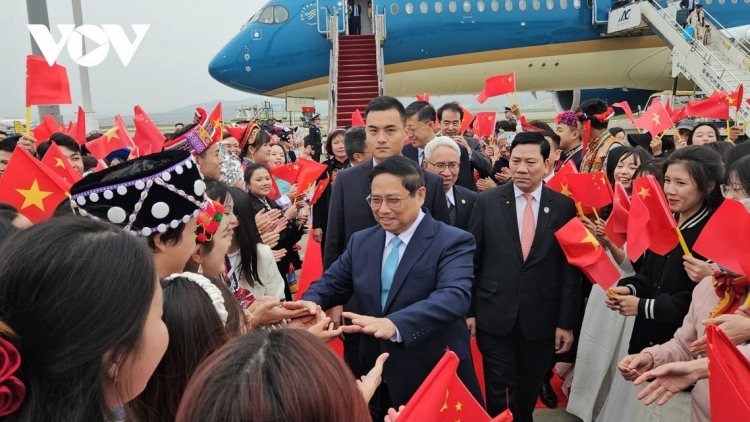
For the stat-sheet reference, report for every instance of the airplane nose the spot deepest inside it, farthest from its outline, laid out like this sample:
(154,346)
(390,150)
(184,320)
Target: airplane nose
(233,67)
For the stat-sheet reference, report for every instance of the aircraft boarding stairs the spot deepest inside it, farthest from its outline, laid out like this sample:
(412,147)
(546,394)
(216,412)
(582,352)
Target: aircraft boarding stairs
(724,64)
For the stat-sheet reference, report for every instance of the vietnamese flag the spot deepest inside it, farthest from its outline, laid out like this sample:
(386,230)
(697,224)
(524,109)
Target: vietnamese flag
(616,227)
(216,120)
(714,243)
(112,140)
(715,106)
(559,182)
(584,251)
(442,397)
(32,187)
(728,372)
(655,120)
(465,121)
(357,119)
(146,132)
(59,163)
(308,175)
(497,85)
(288,172)
(626,108)
(45,84)
(424,97)
(591,190)
(77,130)
(319,189)
(484,124)
(651,224)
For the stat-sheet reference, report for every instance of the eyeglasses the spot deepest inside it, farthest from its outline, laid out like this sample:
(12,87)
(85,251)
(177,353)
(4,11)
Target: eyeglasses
(735,190)
(394,202)
(440,167)
(414,129)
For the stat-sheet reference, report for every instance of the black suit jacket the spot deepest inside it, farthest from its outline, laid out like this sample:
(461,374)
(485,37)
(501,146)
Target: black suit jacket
(543,291)
(464,206)
(348,211)
(465,179)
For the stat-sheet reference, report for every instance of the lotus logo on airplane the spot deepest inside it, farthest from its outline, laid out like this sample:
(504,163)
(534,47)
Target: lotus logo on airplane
(73,37)
(309,14)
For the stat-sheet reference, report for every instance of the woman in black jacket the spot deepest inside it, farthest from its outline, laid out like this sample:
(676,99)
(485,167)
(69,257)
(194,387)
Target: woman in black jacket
(337,161)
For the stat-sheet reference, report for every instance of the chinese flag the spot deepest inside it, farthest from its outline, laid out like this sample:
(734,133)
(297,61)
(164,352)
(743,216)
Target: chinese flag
(728,372)
(216,120)
(655,120)
(626,108)
(443,397)
(484,124)
(590,189)
(288,172)
(308,175)
(357,119)
(466,121)
(735,99)
(616,227)
(146,132)
(78,129)
(114,139)
(59,163)
(32,187)
(424,97)
(559,182)
(319,189)
(713,243)
(584,251)
(497,85)
(46,85)
(651,224)
(679,114)
(715,106)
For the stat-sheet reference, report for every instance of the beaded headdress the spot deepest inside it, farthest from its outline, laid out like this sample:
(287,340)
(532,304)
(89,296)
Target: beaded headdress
(169,191)
(197,138)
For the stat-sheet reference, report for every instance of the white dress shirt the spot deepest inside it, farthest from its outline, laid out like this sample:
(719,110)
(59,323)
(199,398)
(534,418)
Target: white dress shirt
(521,205)
(450,196)
(548,178)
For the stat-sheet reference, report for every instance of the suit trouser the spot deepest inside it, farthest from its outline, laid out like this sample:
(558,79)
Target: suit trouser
(516,365)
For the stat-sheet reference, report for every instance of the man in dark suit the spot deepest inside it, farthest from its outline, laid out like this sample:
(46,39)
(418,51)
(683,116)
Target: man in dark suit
(355,18)
(450,116)
(412,277)
(348,211)
(525,296)
(442,157)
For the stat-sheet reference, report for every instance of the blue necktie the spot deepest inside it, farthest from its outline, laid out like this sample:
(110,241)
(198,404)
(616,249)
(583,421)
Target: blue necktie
(388,271)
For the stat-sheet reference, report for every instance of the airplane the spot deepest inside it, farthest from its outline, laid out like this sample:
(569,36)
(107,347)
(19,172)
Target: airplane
(449,47)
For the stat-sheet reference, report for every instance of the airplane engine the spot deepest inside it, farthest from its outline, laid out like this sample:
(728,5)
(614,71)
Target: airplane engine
(571,99)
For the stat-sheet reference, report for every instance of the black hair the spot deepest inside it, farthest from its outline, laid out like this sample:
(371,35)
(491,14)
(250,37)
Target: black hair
(654,166)
(2,132)
(504,125)
(736,153)
(593,107)
(552,135)
(355,141)
(741,170)
(252,168)
(8,212)
(532,138)
(83,315)
(385,103)
(89,162)
(9,144)
(278,144)
(711,125)
(62,140)
(6,229)
(544,126)
(618,154)
(411,175)
(93,136)
(722,148)
(261,138)
(424,111)
(704,166)
(225,136)
(178,124)
(451,106)
(329,140)
(247,235)
(615,130)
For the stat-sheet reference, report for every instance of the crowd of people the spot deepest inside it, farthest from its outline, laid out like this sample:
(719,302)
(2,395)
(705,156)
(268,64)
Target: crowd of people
(165,287)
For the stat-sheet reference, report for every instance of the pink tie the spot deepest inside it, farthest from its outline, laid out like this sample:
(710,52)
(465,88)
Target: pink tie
(527,226)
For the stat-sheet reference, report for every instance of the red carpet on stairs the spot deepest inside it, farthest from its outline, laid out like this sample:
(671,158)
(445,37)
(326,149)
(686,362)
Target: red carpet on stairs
(357,76)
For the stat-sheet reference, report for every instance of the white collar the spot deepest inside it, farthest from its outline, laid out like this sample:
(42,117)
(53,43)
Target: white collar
(451,196)
(408,233)
(548,178)
(537,194)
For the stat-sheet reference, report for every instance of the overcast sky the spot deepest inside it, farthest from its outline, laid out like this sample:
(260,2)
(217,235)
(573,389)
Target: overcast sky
(169,69)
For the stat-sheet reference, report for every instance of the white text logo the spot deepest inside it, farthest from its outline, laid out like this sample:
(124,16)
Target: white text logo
(103,36)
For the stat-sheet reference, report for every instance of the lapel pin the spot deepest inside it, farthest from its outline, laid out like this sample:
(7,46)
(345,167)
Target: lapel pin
(546,210)
(463,201)
(507,202)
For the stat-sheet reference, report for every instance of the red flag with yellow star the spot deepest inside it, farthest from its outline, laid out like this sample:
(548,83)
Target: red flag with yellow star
(484,124)
(728,370)
(308,175)
(616,228)
(625,108)
(651,224)
(656,119)
(497,85)
(112,140)
(466,121)
(584,251)
(735,99)
(32,187)
(288,172)
(443,397)
(592,190)
(59,163)
(45,84)
(715,106)
(559,182)
(217,122)
(319,189)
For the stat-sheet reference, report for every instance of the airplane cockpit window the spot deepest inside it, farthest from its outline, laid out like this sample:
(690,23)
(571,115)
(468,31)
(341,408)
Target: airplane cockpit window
(424,7)
(467,6)
(452,6)
(409,8)
(280,14)
(508,5)
(252,19)
(480,6)
(438,7)
(394,9)
(266,15)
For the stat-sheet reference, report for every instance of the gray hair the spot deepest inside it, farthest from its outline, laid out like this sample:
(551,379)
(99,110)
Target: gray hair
(440,141)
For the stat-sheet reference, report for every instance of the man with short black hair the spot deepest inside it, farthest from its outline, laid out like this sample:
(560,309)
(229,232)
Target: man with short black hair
(7,146)
(3,135)
(178,126)
(69,148)
(355,145)
(525,296)
(411,275)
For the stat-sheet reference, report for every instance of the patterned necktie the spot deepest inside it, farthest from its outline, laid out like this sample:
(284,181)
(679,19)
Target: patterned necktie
(421,158)
(388,271)
(452,213)
(528,226)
